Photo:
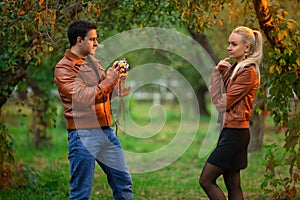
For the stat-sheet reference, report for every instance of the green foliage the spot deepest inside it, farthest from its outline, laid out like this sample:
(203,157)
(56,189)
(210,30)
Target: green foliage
(25,32)
(31,29)
(128,14)
(40,184)
(180,179)
(276,182)
(200,15)
(6,149)
(11,173)
(283,80)
(284,66)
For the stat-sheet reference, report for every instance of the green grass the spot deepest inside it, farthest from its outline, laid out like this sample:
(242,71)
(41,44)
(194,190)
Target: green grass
(179,180)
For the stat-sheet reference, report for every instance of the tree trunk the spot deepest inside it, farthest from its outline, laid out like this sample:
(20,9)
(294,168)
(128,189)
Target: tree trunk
(202,40)
(39,122)
(266,24)
(9,80)
(266,21)
(257,127)
(202,104)
(39,106)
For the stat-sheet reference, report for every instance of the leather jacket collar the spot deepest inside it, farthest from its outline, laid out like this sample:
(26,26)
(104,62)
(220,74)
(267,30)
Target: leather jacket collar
(77,60)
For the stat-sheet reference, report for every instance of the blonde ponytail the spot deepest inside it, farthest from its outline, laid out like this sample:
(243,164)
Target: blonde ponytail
(254,38)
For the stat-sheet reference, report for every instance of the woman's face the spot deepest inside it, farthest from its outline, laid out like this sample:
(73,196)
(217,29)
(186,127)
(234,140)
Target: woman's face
(236,47)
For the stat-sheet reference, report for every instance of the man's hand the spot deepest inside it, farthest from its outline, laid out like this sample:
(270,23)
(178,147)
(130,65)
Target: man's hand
(113,73)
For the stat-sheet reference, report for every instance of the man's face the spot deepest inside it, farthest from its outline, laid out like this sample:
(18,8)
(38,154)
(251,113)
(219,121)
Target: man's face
(89,43)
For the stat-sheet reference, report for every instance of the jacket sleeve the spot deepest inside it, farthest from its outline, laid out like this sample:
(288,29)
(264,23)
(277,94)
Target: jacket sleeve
(237,88)
(71,86)
(216,87)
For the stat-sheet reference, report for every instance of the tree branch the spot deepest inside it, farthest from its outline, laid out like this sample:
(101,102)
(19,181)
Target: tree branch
(266,21)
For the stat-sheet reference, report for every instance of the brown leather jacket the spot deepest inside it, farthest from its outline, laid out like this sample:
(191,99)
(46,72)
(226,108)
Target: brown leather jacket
(84,93)
(234,101)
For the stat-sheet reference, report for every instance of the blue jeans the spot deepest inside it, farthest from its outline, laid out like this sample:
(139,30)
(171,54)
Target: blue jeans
(90,145)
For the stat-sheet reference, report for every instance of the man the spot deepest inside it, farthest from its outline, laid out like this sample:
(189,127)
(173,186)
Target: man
(85,90)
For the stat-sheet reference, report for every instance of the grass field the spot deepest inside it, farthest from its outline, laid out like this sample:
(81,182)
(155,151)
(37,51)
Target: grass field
(178,180)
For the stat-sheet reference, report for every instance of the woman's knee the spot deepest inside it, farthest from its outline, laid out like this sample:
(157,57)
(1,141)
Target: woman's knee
(204,182)
(209,175)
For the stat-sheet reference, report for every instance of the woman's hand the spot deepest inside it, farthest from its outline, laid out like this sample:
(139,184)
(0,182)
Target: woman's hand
(223,64)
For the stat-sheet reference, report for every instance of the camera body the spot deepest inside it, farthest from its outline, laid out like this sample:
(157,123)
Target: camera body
(122,64)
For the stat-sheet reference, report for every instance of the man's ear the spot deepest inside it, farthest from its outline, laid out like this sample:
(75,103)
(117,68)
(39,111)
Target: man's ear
(79,40)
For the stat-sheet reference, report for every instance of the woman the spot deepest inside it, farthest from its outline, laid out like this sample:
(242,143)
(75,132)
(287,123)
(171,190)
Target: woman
(232,90)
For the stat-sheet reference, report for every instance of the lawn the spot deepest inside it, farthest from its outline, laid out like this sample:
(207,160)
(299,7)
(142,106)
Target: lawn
(176,179)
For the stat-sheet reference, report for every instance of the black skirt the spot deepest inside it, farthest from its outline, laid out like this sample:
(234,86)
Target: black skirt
(232,149)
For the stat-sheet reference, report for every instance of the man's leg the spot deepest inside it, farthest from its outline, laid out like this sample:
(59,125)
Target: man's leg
(82,165)
(112,161)
(119,181)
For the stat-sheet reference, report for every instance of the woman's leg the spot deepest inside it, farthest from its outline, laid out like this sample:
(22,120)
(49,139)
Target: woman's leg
(207,181)
(233,185)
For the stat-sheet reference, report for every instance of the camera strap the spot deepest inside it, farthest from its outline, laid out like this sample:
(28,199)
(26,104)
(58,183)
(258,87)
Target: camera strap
(92,64)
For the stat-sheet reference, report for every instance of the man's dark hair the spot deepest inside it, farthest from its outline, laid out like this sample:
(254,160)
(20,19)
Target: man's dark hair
(79,29)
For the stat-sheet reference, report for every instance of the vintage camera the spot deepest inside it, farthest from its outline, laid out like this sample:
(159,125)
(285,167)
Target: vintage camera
(122,64)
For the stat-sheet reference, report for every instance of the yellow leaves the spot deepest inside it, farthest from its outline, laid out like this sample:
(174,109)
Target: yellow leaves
(41,2)
(45,17)
(271,69)
(275,67)
(282,34)
(50,49)
(39,17)
(93,7)
(54,15)
(27,5)
(26,37)
(35,41)
(291,24)
(221,22)
(278,69)
(182,14)
(298,61)
(20,12)
(96,10)
(232,13)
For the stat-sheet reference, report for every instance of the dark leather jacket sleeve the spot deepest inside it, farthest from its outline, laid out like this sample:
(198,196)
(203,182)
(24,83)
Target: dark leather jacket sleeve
(237,88)
(79,83)
(234,99)
(84,91)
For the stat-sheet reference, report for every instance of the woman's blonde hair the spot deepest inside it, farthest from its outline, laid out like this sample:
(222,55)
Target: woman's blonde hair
(254,38)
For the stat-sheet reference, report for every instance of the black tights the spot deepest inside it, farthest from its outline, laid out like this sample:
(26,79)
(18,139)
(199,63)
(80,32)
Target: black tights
(208,179)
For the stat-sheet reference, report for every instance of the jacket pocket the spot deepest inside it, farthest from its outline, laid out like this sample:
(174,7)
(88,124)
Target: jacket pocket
(237,114)
(240,115)
(88,76)
(247,115)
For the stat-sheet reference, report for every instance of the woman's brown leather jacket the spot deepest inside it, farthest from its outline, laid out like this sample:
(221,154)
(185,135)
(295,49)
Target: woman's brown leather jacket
(234,98)
(85,92)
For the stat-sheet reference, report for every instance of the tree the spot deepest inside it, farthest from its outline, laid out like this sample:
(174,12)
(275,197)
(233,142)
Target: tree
(283,80)
(282,55)
(32,29)
(29,31)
